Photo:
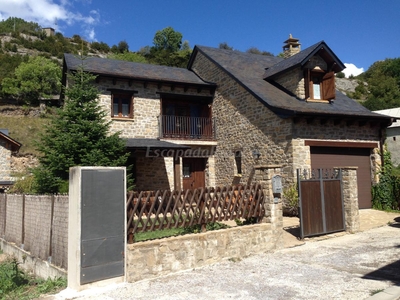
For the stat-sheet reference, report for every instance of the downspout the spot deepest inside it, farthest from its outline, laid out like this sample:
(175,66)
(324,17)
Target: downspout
(382,138)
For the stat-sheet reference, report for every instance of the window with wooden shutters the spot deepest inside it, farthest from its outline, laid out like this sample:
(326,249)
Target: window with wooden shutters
(319,85)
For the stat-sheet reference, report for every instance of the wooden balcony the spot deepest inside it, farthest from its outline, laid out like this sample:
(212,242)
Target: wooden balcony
(187,128)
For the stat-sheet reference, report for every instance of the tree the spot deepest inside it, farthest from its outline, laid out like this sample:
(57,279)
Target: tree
(225,46)
(77,136)
(123,47)
(32,80)
(383,79)
(168,39)
(129,56)
(168,49)
(255,50)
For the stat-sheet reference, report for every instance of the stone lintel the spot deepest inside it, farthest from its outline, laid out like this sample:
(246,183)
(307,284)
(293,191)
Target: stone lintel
(267,166)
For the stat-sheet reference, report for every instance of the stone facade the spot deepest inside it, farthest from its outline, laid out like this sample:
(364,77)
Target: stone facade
(293,80)
(244,125)
(152,173)
(5,162)
(350,199)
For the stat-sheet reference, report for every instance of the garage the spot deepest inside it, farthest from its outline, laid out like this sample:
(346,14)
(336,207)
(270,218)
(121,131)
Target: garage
(330,157)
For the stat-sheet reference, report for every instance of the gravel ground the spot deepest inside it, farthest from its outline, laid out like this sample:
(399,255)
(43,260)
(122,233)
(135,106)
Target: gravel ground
(351,266)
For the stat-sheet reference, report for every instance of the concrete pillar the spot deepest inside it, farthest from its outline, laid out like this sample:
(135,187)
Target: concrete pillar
(96,226)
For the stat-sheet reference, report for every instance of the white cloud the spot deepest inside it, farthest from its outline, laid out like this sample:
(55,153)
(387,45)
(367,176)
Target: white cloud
(351,69)
(48,13)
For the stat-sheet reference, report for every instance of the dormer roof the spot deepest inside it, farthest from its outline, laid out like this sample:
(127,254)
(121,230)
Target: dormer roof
(300,59)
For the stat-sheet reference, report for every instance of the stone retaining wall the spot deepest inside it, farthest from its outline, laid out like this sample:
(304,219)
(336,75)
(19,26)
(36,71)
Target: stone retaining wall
(151,259)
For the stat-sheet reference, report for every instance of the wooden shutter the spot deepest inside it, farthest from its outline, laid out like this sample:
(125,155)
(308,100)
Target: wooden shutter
(112,105)
(328,86)
(131,107)
(307,83)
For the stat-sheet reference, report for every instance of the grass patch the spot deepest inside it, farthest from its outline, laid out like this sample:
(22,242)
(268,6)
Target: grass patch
(25,130)
(163,233)
(158,234)
(16,284)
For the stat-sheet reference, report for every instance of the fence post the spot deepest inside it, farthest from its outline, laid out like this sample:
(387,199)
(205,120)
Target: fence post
(350,198)
(272,202)
(23,223)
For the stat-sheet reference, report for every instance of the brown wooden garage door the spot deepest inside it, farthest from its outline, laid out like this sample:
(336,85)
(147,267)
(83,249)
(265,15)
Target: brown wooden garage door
(329,157)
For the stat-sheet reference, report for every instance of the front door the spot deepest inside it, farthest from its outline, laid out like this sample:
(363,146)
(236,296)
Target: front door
(193,173)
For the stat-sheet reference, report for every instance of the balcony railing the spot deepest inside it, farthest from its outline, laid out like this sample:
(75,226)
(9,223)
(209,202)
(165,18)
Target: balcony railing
(187,128)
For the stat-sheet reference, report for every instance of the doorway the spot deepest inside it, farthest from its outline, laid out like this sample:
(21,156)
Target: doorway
(193,172)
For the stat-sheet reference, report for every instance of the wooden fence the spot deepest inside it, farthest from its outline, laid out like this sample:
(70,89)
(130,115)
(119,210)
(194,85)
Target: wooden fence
(155,210)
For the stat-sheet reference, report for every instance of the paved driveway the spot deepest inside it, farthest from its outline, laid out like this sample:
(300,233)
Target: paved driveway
(350,266)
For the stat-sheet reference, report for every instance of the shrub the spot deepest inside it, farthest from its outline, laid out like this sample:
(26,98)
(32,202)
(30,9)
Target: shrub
(291,199)
(386,193)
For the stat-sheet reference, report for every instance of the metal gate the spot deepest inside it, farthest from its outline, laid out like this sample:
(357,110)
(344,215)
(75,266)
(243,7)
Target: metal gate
(321,207)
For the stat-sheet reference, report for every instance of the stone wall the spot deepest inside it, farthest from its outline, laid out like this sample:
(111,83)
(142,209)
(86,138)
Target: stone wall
(293,80)
(152,173)
(243,125)
(5,162)
(146,106)
(350,198)
(332,132)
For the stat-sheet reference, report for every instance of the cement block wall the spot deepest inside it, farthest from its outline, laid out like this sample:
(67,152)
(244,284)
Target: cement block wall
(36,224)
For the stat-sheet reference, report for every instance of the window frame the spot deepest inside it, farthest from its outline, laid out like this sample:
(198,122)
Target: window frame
(326,85)
(121,96)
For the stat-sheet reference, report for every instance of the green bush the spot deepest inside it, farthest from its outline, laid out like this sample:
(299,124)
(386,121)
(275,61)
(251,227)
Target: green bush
(16,284)
(386,193)
(291,199)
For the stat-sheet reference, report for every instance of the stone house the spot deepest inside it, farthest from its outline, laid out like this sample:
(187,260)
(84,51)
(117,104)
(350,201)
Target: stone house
(229,112)
(393,134)
(8,146)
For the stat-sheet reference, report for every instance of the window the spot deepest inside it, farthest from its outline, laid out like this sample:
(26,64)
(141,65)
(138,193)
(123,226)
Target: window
(238,162)
(319,85)
(122,105)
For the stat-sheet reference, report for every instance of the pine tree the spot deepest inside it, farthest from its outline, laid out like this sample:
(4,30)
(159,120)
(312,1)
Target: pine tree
(77,135)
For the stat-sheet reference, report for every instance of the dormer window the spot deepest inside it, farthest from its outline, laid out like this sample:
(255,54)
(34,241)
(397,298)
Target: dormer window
(319,85)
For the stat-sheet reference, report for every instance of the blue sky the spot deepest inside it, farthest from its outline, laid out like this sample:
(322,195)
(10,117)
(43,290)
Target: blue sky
(360,32)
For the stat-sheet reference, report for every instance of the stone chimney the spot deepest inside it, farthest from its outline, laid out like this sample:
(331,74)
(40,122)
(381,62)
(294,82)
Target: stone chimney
(291,47)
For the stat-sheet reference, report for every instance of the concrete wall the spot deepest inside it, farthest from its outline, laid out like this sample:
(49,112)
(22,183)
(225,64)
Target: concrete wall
(393,144)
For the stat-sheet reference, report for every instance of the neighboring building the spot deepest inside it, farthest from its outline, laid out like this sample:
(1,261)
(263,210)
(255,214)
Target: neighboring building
(49,31)
(393,134)
(8,146)
(212,123)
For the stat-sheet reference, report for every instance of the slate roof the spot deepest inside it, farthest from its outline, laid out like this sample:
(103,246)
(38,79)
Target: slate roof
(249,70)
(131,70)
